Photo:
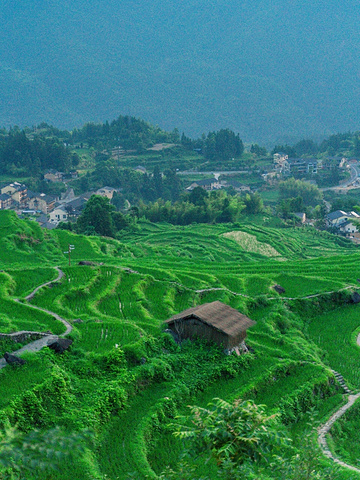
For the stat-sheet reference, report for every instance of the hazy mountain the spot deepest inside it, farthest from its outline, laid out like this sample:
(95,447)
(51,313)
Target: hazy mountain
(269,70)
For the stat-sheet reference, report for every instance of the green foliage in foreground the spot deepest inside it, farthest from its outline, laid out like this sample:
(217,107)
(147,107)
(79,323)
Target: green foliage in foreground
(236,432)
(245,443)
(37,454)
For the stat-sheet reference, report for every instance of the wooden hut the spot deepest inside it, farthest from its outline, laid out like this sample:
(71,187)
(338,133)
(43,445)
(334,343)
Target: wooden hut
(213,321)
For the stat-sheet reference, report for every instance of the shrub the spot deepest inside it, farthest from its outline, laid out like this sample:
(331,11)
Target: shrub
(157,370)
(28,412)
(135,352)
(111,400)
(115,361)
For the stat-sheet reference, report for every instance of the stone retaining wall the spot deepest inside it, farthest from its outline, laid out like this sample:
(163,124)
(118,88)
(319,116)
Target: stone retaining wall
(24,336)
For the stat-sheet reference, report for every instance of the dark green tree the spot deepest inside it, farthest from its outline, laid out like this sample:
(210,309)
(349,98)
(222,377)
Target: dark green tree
(236,432)
(118,200)
(97,217)
(292,188)
(172,185)
(258,151)
(158,182)
(198,196)
(223,145)
(290,151)
(253,203)
(357,146)
(120,221)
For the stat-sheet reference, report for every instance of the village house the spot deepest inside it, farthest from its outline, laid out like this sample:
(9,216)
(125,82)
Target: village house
(302,166)
(5,201)
(59,214)
(107,192)
(280,157)
(348,227)
(20,196)
(140,169)
(337,218)
(17,191)
(332,163)
(75,206)
(70,175)
(10,188)
(207,184)
(301,216)
(68,195)
(41,202)
(237,186)
(43,221)
(215,322)
(53,176)
(287,166)
(343,221)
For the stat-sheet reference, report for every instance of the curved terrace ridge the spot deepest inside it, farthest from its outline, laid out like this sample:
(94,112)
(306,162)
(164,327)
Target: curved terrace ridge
(37,345)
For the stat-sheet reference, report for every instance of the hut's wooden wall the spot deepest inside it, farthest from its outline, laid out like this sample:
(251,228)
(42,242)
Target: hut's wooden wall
(192,328)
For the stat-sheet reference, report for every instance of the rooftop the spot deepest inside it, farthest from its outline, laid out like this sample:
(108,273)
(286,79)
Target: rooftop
(336,214)
(219,316)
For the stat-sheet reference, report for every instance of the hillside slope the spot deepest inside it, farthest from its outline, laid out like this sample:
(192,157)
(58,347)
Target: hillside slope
(126,380)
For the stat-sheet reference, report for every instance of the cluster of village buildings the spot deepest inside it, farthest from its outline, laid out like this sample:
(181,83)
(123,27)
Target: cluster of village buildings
(49,209)
(282,167)
(52,209)
(290,166)
(215,184)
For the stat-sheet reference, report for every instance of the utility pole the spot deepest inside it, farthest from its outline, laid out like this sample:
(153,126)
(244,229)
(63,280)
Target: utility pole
(71,247)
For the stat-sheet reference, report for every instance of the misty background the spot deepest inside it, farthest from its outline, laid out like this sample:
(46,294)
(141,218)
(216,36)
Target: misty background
(272,71)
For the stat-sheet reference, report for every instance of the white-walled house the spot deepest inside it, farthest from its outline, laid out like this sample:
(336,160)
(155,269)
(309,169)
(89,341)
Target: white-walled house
(348,227)
(59,214)
(337,218)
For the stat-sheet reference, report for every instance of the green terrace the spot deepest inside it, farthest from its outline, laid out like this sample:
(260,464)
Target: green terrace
(126,380)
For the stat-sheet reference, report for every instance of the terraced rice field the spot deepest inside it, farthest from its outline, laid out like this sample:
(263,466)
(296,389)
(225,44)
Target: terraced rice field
(123,299)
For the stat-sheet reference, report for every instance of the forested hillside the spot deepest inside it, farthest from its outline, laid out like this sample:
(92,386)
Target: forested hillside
(196,66)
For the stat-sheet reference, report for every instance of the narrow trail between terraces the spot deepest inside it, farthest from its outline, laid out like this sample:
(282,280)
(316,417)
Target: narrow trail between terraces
(42,342)
(325,428)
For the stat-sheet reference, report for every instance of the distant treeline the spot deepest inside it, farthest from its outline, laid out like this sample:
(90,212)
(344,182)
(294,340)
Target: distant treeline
(100,217)
(23,155)
(128,132)
(200,206)
(134,134)
(336,144)
(31,151)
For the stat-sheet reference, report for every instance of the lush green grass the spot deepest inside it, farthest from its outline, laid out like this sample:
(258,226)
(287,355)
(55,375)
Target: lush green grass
(24,242)
(27,280)
(124,442)
(334,333)
(16,380)
(270,196)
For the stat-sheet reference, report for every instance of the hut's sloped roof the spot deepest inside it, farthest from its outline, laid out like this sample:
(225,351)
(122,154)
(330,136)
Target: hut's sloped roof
(218,315)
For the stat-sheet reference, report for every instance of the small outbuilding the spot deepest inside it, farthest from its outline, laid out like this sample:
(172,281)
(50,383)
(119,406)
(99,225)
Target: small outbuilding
(216,322)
